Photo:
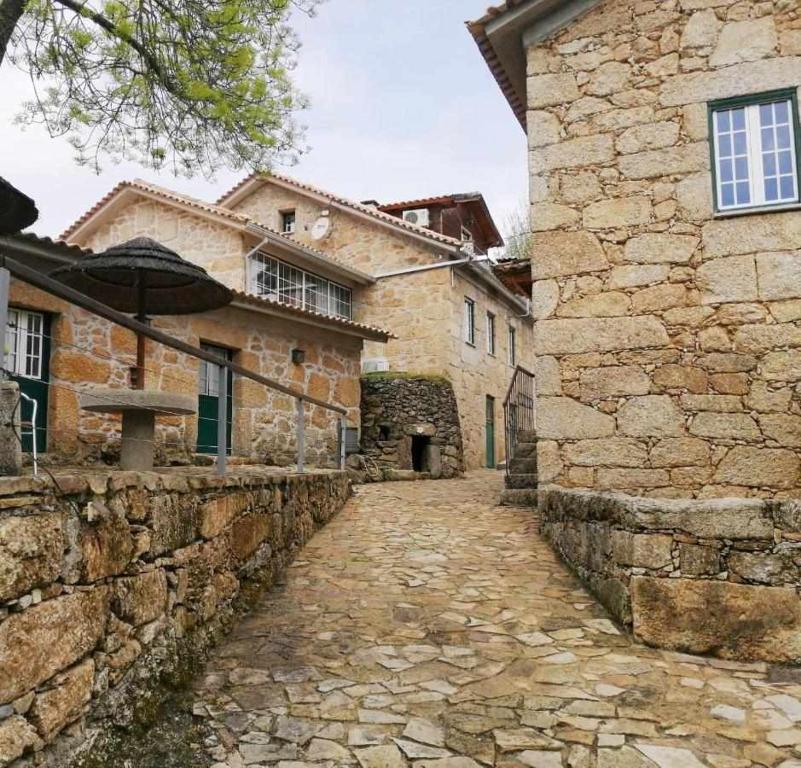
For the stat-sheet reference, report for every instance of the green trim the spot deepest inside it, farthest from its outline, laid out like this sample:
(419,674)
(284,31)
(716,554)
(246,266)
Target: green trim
(733,102)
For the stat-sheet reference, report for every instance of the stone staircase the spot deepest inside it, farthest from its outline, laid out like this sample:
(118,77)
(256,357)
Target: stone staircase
(521,473)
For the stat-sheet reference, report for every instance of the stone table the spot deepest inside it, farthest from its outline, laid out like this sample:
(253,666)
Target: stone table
(138,408)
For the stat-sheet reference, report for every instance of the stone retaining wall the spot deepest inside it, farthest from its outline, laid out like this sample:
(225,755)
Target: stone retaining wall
(108,582)
(718,576)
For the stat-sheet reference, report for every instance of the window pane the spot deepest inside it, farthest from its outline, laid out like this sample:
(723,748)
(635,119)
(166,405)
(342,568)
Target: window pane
(727,195)
(766,114)
(743,193)
(785,162)
(738,119)
(771,190)
(782,111)
(726,173)
(788,188)
(769,164)
(741,168)
(724,122)
(740,143)
(725,145)
(783,136)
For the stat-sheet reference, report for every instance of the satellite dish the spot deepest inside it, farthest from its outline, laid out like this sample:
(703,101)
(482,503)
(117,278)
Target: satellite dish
(321,228)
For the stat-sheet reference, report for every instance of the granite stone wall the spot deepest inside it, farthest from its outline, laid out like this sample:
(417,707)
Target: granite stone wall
(398,410)
(717,576)
(110,583)
(667,335)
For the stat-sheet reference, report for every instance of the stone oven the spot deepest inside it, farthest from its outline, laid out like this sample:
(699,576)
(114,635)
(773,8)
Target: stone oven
(410,423)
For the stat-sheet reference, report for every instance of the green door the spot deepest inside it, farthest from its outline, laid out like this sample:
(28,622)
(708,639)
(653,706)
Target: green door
(28,361)
(208,402)
(490,432)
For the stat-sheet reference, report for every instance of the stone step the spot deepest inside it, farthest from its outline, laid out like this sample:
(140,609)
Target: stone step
(521,465)
(525,480)
(526,436)
(518,497)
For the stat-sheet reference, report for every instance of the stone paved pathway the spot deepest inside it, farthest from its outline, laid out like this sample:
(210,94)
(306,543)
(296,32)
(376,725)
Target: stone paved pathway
(426,627)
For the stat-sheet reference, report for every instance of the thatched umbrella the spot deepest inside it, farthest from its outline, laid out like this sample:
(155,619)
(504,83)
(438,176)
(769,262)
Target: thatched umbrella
(144,278)
(17,210)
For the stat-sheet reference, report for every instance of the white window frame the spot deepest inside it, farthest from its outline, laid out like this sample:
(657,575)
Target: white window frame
(299,288)
(511,345)
(755,150)
(25,331)
(491,334)
(291,228)
(469,321)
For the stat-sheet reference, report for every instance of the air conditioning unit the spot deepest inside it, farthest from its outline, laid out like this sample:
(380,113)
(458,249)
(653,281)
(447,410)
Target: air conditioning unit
(375,365)
(417,216)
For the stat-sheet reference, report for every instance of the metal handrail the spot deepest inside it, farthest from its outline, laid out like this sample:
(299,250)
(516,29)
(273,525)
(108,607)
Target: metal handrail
(519,411)
(61,291)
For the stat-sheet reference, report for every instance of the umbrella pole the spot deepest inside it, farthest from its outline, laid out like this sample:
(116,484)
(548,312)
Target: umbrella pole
(140,340)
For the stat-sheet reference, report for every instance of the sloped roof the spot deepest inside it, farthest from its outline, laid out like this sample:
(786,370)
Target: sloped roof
(227,216)
(333,199)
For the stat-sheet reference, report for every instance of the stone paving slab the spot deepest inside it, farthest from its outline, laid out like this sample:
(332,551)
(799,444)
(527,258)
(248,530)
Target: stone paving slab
(428,627)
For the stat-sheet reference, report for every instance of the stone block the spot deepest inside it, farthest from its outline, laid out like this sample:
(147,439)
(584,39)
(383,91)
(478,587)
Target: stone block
(766,400)
(608,304)
(106,543)
(746,40)
(604,334)
(650,416)
(732,620)
(216,514)
(611,77)
(566,253)
(658,298)
(628,480)
(759,467)
(140,599)
(702,30)
(731,426)
(596,383)
(784,428)
(634,275)
(63,700)
(747,77)
(694,197)
(618,212)
(680,377)
(642,550)
(10,448)
(781,366)
(548,216)
(688,158)
(698,560)
(548,376)
(47,638)
(173,523)
(609,452)
(564,418)
(551,90)
(752,234)
(758,339)
(655,248)
(574,153)
(714,403)
(544,128)
(727,279)
(17,736)
(544,298)
(641,138)
(762,568)
(680,452)
(31,549)
(779,275)
(247,535)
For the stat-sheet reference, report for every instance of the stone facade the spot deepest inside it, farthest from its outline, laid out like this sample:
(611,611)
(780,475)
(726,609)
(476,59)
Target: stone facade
(424,310)
(87,351)
(411,423)
(718,576)
(667,337)
(110,581)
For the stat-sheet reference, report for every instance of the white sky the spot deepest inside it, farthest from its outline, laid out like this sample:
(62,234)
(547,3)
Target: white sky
(402,106)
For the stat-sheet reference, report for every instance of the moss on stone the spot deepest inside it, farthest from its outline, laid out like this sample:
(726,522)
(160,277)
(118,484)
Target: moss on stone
(405,375)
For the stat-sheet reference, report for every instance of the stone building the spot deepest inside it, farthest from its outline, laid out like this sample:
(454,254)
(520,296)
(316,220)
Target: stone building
(666,275)
(450,315)
(308,341)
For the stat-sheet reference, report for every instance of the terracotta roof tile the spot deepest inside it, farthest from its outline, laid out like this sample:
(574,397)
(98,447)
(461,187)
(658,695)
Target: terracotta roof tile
(347,203)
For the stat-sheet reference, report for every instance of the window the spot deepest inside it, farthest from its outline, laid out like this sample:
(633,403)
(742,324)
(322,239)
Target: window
(755,151)
(470,321)
(24,343)
(512,345)
(490,333)
(288,222)
(279,281)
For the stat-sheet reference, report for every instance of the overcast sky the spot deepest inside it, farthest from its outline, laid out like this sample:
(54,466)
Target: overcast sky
(402,106)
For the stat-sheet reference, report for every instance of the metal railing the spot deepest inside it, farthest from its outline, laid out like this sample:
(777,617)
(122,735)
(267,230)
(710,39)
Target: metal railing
(11,267)
(519,412)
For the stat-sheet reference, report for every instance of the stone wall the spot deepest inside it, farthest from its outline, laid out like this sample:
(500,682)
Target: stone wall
(717,576)
(667,337)
(399,409)
(110,581)
(424,310)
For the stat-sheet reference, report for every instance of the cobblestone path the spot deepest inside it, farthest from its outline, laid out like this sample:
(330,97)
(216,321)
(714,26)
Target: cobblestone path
(425,626)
